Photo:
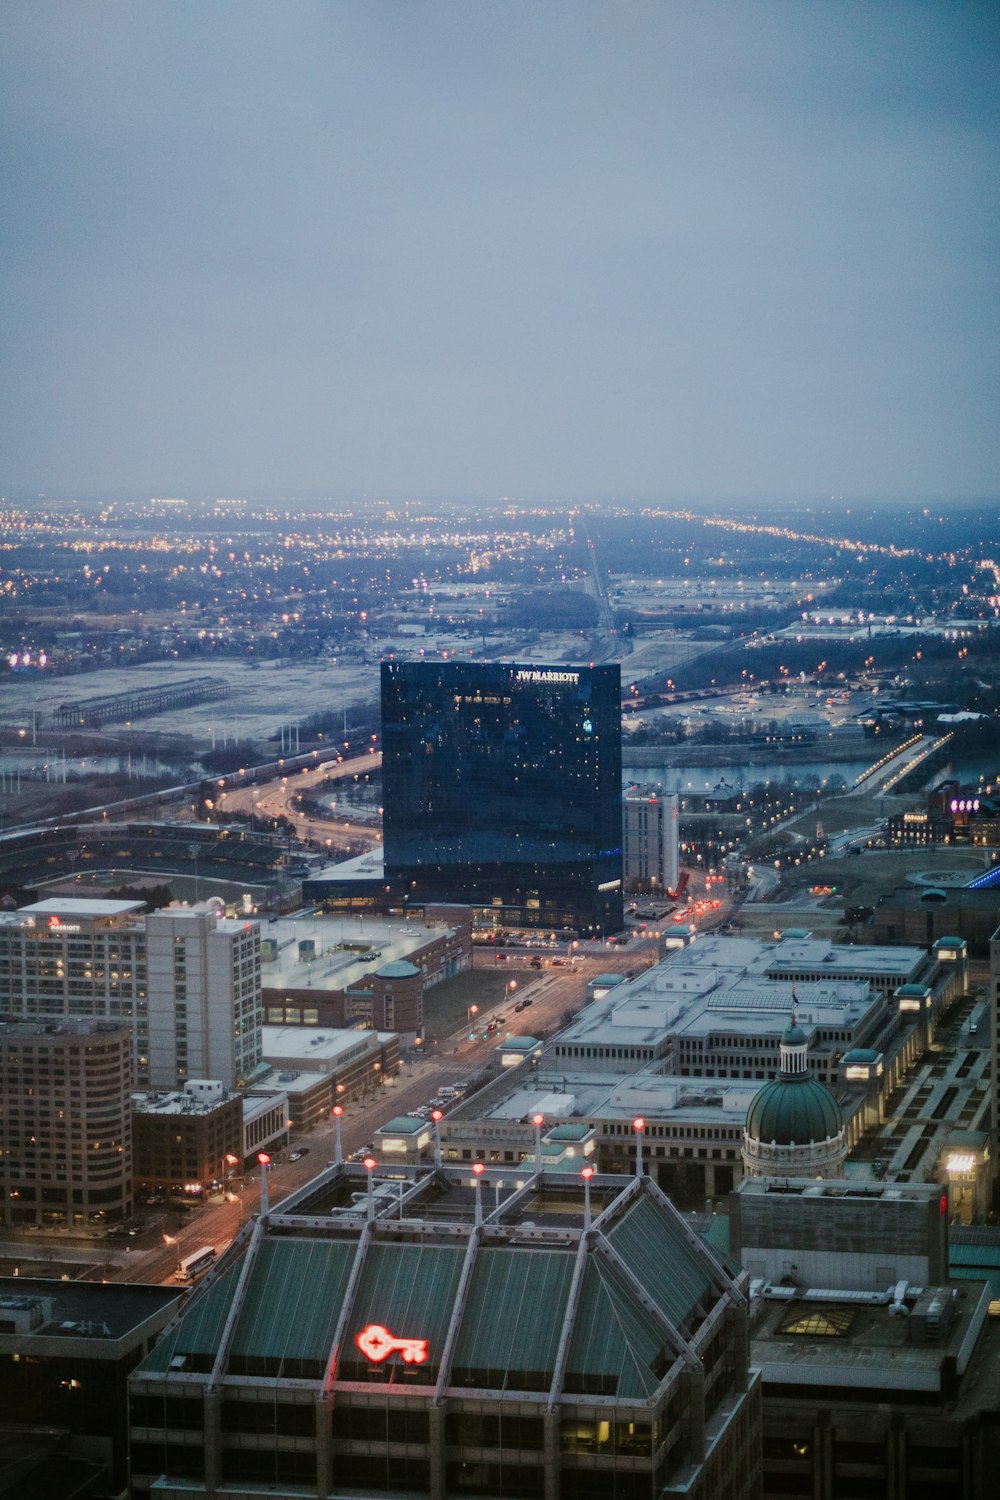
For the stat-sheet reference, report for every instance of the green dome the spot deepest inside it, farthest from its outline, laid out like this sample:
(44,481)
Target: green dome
(792,1111)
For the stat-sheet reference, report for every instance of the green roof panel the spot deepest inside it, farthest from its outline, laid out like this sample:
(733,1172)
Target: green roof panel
(672,1271)
(614,1350)
(202,1320)
(410,1290)
(293,1300)
(514,1318)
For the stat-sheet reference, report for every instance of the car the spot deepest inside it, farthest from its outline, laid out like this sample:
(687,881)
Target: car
(298,1155)
(526,1003)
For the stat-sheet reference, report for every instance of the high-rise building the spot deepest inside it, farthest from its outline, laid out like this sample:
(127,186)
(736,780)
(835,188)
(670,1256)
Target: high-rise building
(65,1123)
(502,789)
(425,1337)
(651,842)
(187,980)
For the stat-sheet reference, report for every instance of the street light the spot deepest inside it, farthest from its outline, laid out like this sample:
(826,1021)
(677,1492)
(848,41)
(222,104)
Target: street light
(478,1170)
(229,1162)
(437,1115)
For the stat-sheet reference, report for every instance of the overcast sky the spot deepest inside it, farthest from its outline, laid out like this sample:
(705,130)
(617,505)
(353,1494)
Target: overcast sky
(691,249)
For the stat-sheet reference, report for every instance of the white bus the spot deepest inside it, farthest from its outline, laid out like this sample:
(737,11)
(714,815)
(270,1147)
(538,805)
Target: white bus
(192,1265)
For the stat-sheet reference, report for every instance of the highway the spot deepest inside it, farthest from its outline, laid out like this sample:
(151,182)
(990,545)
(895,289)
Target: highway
(274,799)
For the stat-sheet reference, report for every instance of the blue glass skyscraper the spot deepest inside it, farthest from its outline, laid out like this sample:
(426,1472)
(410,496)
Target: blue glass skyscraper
(502,790)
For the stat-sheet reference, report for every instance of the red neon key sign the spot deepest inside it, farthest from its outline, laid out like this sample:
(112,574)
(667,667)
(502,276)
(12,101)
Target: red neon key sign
(377,1343)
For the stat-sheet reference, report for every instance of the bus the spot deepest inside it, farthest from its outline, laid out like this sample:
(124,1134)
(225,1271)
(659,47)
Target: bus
(192,1265)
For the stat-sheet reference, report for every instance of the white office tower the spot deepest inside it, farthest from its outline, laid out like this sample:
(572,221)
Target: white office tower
(651,826)
(186,979)
(204,997)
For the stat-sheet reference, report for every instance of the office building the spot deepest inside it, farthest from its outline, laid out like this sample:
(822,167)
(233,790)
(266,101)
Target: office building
(66,1351)
(880,1375)
(651,827)
(65,1123)
(186,980)
(688,1046)
(987,1018)
(502,790)
(182,1139)
(336,971)
(423,1335)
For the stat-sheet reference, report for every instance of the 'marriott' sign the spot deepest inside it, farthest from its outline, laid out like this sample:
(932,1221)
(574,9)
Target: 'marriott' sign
(534,675)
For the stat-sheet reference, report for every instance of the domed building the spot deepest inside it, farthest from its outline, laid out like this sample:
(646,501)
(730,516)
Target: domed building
(794,1127)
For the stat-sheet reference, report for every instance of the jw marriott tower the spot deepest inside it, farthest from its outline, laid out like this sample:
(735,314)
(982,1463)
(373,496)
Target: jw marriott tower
(502,790)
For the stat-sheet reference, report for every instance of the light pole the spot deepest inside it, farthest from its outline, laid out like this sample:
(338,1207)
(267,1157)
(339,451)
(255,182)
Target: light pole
(478,1169)
(586,1174)
(538,1121)
(508,990)
(229,1162)
(369,1165)
(470,1013)
(265,1162)
(338,1153)
(437,1115)
(638,1125)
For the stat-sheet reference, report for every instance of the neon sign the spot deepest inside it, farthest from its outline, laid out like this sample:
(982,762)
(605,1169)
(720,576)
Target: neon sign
(377,1343)
(533,674)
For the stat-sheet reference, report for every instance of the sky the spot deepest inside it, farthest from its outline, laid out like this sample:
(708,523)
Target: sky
(638,249)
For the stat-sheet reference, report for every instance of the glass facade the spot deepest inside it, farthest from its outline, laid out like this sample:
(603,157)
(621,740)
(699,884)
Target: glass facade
(502,790)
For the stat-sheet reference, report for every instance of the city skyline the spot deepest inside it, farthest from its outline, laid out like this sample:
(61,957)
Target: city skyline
(578,251)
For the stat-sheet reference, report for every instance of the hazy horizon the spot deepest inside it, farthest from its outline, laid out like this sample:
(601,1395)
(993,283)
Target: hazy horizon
(631,253)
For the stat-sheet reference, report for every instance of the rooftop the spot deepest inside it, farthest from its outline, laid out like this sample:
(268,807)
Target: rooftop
(814,1339)
(315,1047)
(336,953)
(87,1310)
(176,1104)
(499,1309)
(68,907)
